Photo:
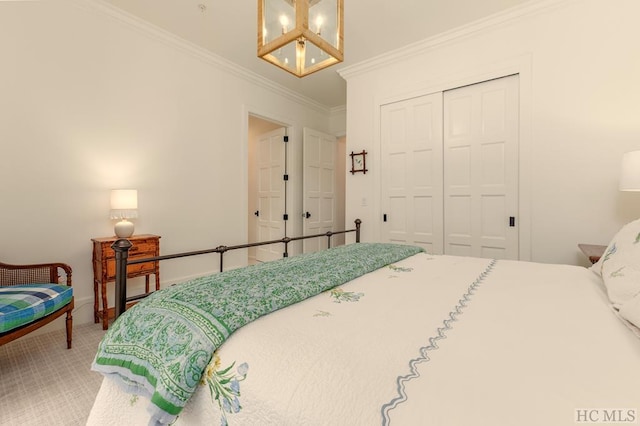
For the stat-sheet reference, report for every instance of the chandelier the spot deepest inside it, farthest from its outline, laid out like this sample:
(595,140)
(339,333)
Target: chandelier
(301,36)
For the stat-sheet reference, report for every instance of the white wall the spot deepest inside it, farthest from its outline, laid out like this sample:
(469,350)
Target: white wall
(338,121)
(580,86)
(90,100)
(341,179)
(338,127)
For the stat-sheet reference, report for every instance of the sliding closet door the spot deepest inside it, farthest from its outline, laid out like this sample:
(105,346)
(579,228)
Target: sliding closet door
(481,169)
(411,159)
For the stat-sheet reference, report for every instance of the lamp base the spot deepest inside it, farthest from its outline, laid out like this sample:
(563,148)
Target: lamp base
(124,229)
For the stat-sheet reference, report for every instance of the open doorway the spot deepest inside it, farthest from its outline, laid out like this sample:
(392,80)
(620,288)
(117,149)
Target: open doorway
(266,208)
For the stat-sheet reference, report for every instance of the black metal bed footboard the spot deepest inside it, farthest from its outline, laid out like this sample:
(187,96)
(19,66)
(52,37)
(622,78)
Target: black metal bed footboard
(122,246)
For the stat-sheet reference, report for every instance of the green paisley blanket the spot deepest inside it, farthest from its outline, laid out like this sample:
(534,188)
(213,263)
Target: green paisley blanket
(160,347)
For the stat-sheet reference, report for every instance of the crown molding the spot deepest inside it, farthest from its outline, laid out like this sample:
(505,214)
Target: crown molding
(527,9)
(340,109)
(107,9)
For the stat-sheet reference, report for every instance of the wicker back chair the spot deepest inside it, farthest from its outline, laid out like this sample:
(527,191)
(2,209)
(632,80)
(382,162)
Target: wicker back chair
(44,273)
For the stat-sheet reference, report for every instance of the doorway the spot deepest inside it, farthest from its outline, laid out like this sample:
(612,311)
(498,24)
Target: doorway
(267,206)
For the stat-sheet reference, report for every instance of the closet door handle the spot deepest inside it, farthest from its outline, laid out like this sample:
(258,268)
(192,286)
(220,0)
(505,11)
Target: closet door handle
(257,213)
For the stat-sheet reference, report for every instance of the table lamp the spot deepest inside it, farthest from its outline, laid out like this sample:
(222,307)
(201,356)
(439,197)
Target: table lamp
(124,206)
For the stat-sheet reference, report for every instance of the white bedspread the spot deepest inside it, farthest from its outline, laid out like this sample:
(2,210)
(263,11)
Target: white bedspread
(535,345)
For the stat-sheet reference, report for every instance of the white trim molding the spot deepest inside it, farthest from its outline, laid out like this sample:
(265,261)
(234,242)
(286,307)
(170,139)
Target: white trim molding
(524,10)
(170,39)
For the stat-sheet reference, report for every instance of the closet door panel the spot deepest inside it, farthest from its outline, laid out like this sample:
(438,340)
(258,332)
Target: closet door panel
(411,162)
(449,179)
(481,167)
(397,222)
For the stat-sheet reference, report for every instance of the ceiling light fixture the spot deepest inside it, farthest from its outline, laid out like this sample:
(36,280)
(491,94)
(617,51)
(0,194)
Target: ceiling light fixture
(301,49)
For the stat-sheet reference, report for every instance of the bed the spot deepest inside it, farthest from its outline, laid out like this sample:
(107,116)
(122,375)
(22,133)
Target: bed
(413,339)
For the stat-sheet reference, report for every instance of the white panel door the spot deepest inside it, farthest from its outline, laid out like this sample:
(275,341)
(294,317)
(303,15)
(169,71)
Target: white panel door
(319,199)
(411,160)
(481,169)
(271,191)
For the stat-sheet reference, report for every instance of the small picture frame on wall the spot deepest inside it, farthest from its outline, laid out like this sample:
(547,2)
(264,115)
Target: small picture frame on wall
(358,162)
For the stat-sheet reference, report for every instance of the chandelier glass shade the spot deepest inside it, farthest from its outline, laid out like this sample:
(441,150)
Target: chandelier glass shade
(301,36)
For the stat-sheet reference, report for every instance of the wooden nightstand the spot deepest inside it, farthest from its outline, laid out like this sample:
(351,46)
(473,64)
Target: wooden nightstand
(104,269)
(593,251)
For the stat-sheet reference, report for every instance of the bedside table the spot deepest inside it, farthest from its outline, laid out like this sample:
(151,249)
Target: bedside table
(104,269)
(593,251)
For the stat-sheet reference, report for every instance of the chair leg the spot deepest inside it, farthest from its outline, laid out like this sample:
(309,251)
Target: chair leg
(69,328)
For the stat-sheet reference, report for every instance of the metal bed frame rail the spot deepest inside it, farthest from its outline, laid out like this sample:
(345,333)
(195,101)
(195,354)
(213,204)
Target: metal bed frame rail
(122,246)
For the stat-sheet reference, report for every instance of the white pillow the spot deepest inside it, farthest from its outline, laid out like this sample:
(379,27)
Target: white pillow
(631,312)
(620,265)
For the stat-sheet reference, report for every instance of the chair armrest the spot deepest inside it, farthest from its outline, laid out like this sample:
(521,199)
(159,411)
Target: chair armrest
(41,273)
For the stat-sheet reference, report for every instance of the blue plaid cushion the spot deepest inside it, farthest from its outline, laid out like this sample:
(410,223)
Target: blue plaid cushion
(22,304)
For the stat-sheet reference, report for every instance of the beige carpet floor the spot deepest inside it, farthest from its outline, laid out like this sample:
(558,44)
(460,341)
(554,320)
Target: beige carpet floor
(43,383)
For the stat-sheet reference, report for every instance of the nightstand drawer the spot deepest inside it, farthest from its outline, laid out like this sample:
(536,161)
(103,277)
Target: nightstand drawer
(146,247)
(136,270)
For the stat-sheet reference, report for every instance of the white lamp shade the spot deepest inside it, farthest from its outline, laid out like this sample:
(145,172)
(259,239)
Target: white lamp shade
(124,199)
(630,173)
(124,205)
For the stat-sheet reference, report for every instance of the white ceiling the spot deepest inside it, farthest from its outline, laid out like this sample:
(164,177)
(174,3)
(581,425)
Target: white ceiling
(372,27)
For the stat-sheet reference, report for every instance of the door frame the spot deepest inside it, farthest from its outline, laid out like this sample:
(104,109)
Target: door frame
(523,67)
